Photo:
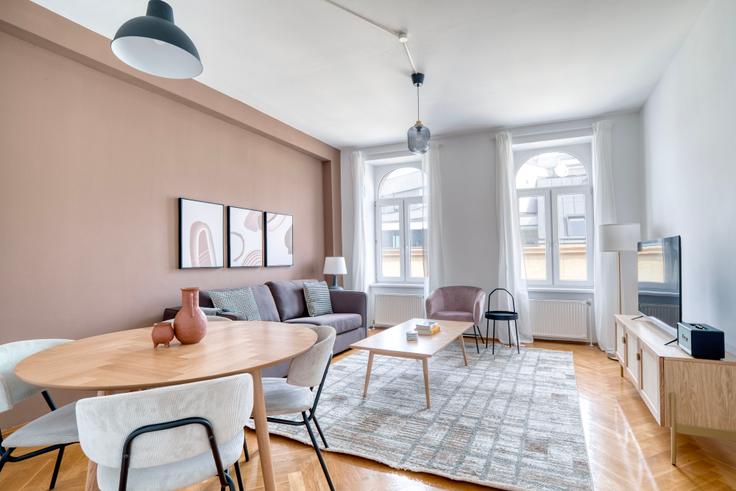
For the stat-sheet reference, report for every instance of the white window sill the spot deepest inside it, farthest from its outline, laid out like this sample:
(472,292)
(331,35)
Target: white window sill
(545,289)
(413,286)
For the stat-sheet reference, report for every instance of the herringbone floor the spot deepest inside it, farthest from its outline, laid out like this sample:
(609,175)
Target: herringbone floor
(628,450)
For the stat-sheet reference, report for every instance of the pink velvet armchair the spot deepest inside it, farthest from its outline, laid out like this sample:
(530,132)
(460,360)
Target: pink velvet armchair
(457,303)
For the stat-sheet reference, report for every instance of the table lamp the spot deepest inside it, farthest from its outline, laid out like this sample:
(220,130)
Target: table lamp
(335,266)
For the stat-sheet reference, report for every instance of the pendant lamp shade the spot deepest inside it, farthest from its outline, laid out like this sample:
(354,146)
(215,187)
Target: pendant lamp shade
(418,138)
(155,45)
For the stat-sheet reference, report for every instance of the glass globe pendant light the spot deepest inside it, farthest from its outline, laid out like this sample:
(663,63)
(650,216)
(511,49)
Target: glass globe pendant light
(418,135)
(155,45)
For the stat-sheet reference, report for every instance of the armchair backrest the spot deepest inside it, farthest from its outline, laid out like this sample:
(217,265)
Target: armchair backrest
(13,389)
(105,422)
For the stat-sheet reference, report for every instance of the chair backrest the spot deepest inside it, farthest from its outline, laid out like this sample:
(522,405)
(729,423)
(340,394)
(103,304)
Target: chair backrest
(505,302)
(459,298)
(105,422)
(12,389)
(306,370)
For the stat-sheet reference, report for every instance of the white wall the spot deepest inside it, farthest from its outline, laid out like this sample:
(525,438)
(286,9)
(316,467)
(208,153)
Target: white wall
(468,164)
(689,127)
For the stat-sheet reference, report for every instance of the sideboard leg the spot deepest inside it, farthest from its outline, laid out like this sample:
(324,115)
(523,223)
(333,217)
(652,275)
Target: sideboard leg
(673,429)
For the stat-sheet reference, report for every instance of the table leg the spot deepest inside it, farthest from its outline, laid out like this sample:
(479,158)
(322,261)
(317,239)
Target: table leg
(261,423)
(90,483)
(368,373)
(425,367)
(462,345)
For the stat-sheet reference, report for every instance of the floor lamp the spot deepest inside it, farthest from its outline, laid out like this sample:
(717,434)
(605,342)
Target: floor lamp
(618,238)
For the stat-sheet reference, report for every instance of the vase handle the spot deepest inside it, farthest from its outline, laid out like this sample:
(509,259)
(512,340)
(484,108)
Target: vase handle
(191,304)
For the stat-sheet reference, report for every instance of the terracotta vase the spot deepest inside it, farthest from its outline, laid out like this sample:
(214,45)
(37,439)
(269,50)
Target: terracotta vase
(190,323)
(162,333)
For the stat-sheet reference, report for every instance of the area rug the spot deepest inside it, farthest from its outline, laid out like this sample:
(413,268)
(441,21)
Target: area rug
(510,421)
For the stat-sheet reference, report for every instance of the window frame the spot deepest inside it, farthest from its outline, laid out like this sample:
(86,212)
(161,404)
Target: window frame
(552,246)
(404,226)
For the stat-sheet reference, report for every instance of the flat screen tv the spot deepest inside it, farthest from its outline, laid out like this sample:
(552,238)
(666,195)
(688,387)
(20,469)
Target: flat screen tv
(659,276)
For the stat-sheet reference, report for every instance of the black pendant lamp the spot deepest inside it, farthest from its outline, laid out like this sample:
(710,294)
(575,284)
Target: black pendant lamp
(155,45)
(418,135)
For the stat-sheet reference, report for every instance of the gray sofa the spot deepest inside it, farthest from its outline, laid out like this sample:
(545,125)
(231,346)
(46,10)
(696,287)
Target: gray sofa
(283,301)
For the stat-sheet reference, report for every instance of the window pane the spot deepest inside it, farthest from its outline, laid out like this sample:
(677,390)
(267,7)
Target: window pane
(390,241)
(572,230)
(417,234)
(551,169)
(401,183)
(533,237)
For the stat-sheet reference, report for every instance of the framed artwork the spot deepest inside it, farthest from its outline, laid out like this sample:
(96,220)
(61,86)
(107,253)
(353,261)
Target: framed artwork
(244,238)
(279,239)
(201,234)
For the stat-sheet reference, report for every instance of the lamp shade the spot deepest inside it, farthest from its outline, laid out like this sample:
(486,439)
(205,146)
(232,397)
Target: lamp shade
(418,138)
(619,237)
(155,45)
(335,265)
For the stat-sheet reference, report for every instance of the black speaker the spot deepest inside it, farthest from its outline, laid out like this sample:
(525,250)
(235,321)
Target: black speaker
(701,341)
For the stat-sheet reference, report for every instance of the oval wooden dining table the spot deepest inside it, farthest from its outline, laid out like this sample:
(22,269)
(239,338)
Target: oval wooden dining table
(126,360)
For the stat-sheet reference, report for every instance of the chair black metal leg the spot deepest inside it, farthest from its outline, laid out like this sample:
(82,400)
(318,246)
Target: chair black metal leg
(4,457)
(487,324)
(238,475)
(230,483)
(316,449)
(321,435)
(508,325)
(56,468)
(516,327)
(475,336)
(493,341)
(245,449)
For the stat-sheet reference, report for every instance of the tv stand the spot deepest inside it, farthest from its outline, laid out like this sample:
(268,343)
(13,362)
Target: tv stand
(688,395)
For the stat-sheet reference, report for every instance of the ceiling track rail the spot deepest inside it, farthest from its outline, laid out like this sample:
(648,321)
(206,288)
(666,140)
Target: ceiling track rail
(400,35)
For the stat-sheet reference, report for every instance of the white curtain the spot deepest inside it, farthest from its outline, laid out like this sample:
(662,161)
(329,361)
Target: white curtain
(605,273)
(510,265)
(432,197)
(362,262)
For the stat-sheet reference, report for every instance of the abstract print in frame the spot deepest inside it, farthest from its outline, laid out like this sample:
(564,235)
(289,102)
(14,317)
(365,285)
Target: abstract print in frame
(244,237)
(279,239)
(201,231)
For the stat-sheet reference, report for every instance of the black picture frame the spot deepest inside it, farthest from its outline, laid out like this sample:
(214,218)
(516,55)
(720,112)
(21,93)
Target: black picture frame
(268,259)
(229,233)
(185,260)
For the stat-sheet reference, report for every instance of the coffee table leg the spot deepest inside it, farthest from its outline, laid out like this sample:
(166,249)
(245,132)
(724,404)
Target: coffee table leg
(264,443)
(368,373)
(462,345)
(425,367)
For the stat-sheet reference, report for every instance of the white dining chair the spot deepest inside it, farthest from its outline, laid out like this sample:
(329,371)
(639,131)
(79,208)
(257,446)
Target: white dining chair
(296,393)
(54,430)
(167,438)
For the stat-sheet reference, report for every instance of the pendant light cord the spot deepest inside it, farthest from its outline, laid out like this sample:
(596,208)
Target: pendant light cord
(418,118)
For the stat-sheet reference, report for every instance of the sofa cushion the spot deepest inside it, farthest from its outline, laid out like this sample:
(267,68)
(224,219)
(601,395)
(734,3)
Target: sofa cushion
(239,300)
(317,297)
(289,298)
(264,300)
(341,322)
(452,315)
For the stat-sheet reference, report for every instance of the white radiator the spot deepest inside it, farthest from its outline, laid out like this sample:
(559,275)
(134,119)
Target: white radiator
(394,308)
(560,319)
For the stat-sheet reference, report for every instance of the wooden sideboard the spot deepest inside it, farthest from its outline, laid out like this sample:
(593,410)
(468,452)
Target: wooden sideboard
(688,395)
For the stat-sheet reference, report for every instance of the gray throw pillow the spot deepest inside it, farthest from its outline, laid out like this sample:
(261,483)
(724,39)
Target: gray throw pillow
(240,301)
(317,297)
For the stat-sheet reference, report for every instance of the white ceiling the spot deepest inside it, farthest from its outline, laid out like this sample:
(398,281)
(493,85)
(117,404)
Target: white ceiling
(488,63)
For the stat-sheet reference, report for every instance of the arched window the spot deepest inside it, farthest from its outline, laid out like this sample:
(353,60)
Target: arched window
(400,224)
(555,216)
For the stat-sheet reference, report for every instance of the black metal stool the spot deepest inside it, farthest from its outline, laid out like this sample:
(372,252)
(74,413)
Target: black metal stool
(502,315)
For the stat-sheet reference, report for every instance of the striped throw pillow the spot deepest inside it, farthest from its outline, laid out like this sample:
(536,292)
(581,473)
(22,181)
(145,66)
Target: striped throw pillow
(240,301)
(317,297)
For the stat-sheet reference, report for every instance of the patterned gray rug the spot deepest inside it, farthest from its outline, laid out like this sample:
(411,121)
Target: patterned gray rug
(509,421)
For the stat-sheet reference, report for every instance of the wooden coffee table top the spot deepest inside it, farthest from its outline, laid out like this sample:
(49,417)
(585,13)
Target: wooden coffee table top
(393,340)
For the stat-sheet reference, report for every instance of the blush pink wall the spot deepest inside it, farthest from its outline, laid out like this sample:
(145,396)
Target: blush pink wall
(92,166)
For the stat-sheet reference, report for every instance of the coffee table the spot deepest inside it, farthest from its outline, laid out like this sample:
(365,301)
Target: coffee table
(392,342)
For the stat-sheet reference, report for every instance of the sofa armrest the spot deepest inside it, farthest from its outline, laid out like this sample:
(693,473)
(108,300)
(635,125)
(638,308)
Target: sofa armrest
(478,307)
(350,302)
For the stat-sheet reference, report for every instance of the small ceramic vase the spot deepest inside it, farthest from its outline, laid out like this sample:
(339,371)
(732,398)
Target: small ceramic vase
(190,323)
(162,333)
